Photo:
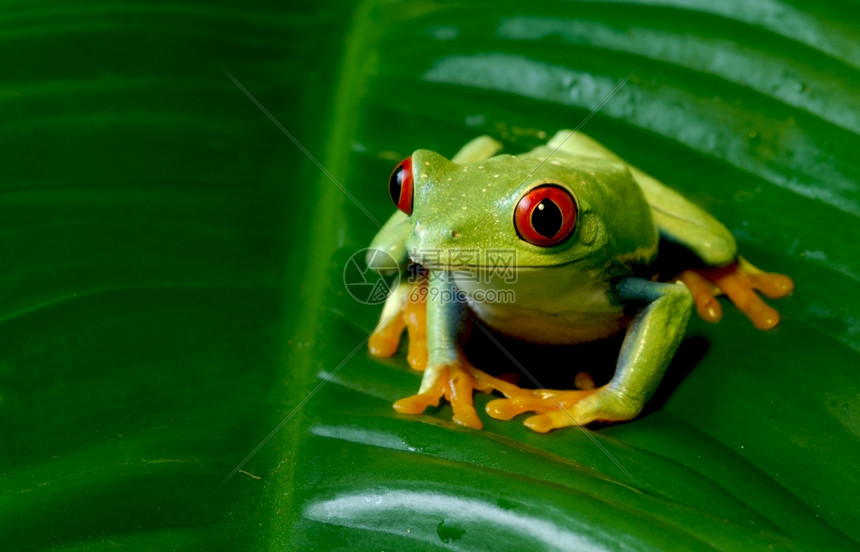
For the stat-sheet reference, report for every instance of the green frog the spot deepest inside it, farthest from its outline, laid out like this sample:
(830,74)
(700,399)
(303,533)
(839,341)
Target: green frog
(557,246)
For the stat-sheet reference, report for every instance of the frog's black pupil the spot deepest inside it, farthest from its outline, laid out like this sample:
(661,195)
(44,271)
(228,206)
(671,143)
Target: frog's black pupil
(396,185)
(546,218)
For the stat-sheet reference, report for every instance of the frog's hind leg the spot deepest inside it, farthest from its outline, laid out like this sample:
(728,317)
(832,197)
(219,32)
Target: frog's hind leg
(681,221)
(576,143)
(739,281)
(478,149)
(678,219)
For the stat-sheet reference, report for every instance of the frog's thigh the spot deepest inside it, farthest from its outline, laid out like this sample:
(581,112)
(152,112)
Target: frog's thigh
(480,148)
(577,143)
(679,220)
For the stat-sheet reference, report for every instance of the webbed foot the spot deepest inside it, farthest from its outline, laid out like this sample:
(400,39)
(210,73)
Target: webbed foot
(739,281)
(454,381)
(556,409)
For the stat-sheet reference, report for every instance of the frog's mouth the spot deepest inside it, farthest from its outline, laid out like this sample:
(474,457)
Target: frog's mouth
(452,260)
(458,260)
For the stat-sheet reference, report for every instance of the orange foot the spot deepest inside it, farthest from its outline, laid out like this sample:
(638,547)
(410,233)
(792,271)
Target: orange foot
(456,382)
(554,408)
(411,316)
(739,281)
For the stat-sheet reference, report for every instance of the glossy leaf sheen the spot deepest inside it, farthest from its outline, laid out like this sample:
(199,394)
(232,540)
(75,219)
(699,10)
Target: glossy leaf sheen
(172,285)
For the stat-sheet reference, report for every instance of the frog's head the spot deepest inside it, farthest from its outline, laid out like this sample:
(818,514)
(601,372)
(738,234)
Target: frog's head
(461,213)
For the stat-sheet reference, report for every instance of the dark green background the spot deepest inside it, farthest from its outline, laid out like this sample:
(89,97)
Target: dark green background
(172,275)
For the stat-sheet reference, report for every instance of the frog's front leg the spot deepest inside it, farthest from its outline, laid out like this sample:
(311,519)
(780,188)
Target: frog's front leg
(448,373)
(650,342)
(405,309)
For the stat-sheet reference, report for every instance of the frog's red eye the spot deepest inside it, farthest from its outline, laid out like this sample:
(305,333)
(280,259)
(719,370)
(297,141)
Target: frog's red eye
(400,186)
(546,215)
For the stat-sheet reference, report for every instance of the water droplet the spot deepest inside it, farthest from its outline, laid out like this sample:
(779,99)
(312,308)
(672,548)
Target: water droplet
(754,138)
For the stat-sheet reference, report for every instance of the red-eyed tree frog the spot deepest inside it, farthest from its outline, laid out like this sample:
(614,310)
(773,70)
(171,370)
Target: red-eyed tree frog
(556,246)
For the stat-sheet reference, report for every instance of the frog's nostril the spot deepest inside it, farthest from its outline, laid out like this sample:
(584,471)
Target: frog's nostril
(455,234)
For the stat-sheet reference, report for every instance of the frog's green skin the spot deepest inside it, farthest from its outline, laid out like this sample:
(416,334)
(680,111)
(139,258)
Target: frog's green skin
(594,284)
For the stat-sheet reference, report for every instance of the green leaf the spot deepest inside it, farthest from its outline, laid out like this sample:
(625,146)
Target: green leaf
(173,286)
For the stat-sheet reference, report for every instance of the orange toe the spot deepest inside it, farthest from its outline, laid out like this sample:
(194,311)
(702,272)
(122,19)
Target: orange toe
(763,316)
(503,409)
(416,404)
(738,287)
(772,285)
(703,295)
(583,380)
(541,423)
(769,283)
(459,393)
(415,318)
(384,341)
